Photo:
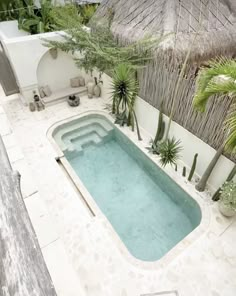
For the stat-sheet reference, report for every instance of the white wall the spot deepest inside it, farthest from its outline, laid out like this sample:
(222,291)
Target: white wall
(25,54)
(148,120)
(56,72)
(31,61)
(9,29)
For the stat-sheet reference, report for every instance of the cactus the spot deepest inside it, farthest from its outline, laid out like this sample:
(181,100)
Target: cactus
(161,134)
(193,167)
(160,127)
(184,172)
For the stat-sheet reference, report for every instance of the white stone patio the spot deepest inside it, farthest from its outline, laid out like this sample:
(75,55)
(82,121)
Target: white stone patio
(81,255)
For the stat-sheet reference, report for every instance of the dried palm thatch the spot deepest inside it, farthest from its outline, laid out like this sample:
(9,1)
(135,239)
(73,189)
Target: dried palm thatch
(208,26)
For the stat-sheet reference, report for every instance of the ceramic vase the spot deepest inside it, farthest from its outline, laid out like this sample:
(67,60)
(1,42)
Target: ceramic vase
(227,212)
(90,87)
(97,88)
(97,91)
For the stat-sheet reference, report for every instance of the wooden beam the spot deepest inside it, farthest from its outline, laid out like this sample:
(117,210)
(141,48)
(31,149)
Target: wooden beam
(23,271)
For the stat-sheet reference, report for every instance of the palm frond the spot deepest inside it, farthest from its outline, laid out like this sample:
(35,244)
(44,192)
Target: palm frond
(230,125)
(223,87)
(219,79)
(217,67)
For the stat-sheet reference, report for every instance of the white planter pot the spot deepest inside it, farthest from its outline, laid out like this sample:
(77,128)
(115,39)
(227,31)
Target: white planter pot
(90,87)
(97,91)
(227,212)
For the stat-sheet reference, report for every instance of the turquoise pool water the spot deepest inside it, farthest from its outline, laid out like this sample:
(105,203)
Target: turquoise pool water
(147,209)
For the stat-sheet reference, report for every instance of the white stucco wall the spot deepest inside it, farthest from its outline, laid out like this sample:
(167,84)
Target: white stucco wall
(57,72)
(9,29)
(148,120)
(30,60)
(33,65)
(25,54)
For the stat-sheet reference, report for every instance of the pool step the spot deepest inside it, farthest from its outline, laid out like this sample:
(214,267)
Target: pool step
(84,134)
(79,128)
(90,139)
(75,136)
(90,134)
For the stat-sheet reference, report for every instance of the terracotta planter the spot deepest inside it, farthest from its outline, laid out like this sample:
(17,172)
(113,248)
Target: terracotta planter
(225,211)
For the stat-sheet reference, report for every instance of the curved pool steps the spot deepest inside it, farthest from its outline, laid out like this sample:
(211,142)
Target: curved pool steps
(84,135)
(81,128)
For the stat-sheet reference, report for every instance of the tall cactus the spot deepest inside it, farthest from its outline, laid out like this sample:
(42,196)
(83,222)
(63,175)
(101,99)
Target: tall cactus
(160,127)
(191,173)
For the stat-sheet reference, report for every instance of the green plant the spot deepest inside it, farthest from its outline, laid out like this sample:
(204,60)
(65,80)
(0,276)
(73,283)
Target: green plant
(36,20)
(160,127)
(121,119)
(218,79)
(184,172)
(9,10)
(86,12)
(154,147)
(230,177)
(228,195)
(124,91)
(191,173)
(169,151)
(98,47)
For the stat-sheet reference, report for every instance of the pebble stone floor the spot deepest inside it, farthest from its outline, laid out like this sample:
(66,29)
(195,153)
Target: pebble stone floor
(81,256)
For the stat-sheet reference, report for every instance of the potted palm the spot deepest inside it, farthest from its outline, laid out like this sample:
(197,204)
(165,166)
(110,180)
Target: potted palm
(227,203)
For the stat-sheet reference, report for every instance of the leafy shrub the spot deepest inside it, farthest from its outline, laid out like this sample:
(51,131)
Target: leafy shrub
(169,151)
(228,195)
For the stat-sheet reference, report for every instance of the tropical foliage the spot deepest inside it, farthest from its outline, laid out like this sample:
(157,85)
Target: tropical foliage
(37,20)
(169,151)
(230,177)
(219,79)
(41,19)
(228,195)
(10,10)
(98,47)
(124,91)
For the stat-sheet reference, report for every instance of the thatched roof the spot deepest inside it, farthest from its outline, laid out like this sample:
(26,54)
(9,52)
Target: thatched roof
(214,22)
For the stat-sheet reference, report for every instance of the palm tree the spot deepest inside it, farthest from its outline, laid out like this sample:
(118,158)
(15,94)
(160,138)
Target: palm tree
(218,79)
